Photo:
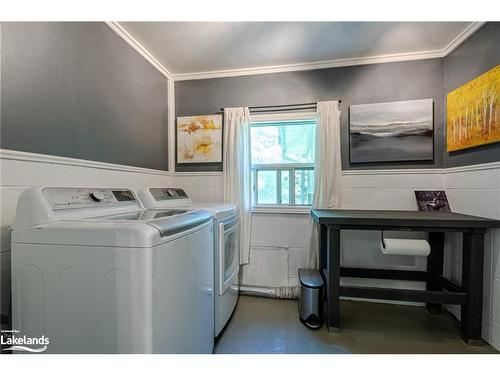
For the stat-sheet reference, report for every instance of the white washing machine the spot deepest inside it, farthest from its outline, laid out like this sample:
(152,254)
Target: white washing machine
(94,272)
(226,245)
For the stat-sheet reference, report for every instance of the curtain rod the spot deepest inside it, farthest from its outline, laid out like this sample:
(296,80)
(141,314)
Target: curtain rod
(282,107)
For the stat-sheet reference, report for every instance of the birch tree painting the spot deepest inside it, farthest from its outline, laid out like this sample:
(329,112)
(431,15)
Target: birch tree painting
(472,117)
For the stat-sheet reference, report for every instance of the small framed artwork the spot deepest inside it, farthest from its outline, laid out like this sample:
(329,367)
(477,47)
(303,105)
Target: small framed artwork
(472,112)
(391,132)
(199,139)
(432,201)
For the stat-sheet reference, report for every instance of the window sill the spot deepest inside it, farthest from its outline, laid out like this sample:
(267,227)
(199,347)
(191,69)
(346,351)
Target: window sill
(281,210)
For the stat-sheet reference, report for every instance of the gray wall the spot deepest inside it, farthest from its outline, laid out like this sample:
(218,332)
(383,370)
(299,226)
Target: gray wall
(79,90)
(477,55)
(354,85)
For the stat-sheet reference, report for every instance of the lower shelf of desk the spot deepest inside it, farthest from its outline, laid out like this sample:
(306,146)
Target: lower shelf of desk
(449,294)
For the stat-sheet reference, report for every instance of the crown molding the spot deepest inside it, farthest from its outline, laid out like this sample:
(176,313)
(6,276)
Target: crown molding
(450,47)
(462,37)
(127,37)
(308,66)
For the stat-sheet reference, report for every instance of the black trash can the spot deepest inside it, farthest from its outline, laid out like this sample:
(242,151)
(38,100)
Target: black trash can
(311,298)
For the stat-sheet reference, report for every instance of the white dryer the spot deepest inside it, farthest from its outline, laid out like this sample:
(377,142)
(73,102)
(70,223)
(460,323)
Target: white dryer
(94,272)
(226,245)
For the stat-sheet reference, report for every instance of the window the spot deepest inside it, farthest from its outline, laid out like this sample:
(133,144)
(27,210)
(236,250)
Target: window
(282,156)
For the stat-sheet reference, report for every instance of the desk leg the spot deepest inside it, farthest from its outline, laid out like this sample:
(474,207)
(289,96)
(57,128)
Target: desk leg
(323,245)
(472,284)
(333,280)
(435,266)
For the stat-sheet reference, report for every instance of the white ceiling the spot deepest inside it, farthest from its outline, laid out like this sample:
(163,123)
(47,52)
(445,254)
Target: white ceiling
(193,47)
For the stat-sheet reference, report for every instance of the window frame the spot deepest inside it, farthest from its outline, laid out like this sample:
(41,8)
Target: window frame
(279,167)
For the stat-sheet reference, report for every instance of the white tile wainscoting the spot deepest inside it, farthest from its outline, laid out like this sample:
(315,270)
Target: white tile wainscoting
(279,240)
(475,190)
(20,170)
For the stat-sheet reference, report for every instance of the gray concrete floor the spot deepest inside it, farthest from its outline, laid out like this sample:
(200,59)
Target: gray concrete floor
(263,325)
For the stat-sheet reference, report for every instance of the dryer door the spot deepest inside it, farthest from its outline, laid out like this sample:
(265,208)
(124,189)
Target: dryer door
(229,253)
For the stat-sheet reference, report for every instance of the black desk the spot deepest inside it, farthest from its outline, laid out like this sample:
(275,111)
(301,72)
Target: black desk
(439,289)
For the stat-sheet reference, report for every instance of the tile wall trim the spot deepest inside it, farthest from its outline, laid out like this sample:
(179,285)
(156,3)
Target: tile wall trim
(51,159)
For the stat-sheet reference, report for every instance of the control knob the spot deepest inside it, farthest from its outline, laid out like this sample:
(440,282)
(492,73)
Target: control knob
(97,195)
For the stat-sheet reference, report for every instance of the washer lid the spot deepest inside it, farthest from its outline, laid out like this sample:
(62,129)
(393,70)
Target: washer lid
(138,230)
(142,215)
(190,219)
(168,222)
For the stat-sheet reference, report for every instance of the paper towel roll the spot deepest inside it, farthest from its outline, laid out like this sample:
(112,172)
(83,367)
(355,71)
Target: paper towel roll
(396,246)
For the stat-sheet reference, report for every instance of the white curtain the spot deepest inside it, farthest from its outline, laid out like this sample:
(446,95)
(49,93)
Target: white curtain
(327,169)
(237,171)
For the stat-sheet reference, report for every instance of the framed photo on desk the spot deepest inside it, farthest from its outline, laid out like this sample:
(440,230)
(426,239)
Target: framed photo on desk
(433,201)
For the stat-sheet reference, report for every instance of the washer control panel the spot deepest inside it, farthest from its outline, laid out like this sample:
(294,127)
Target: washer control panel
(162,194)
(64,198)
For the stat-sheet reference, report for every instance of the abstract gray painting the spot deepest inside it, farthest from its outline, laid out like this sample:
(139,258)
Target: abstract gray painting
(394,131)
